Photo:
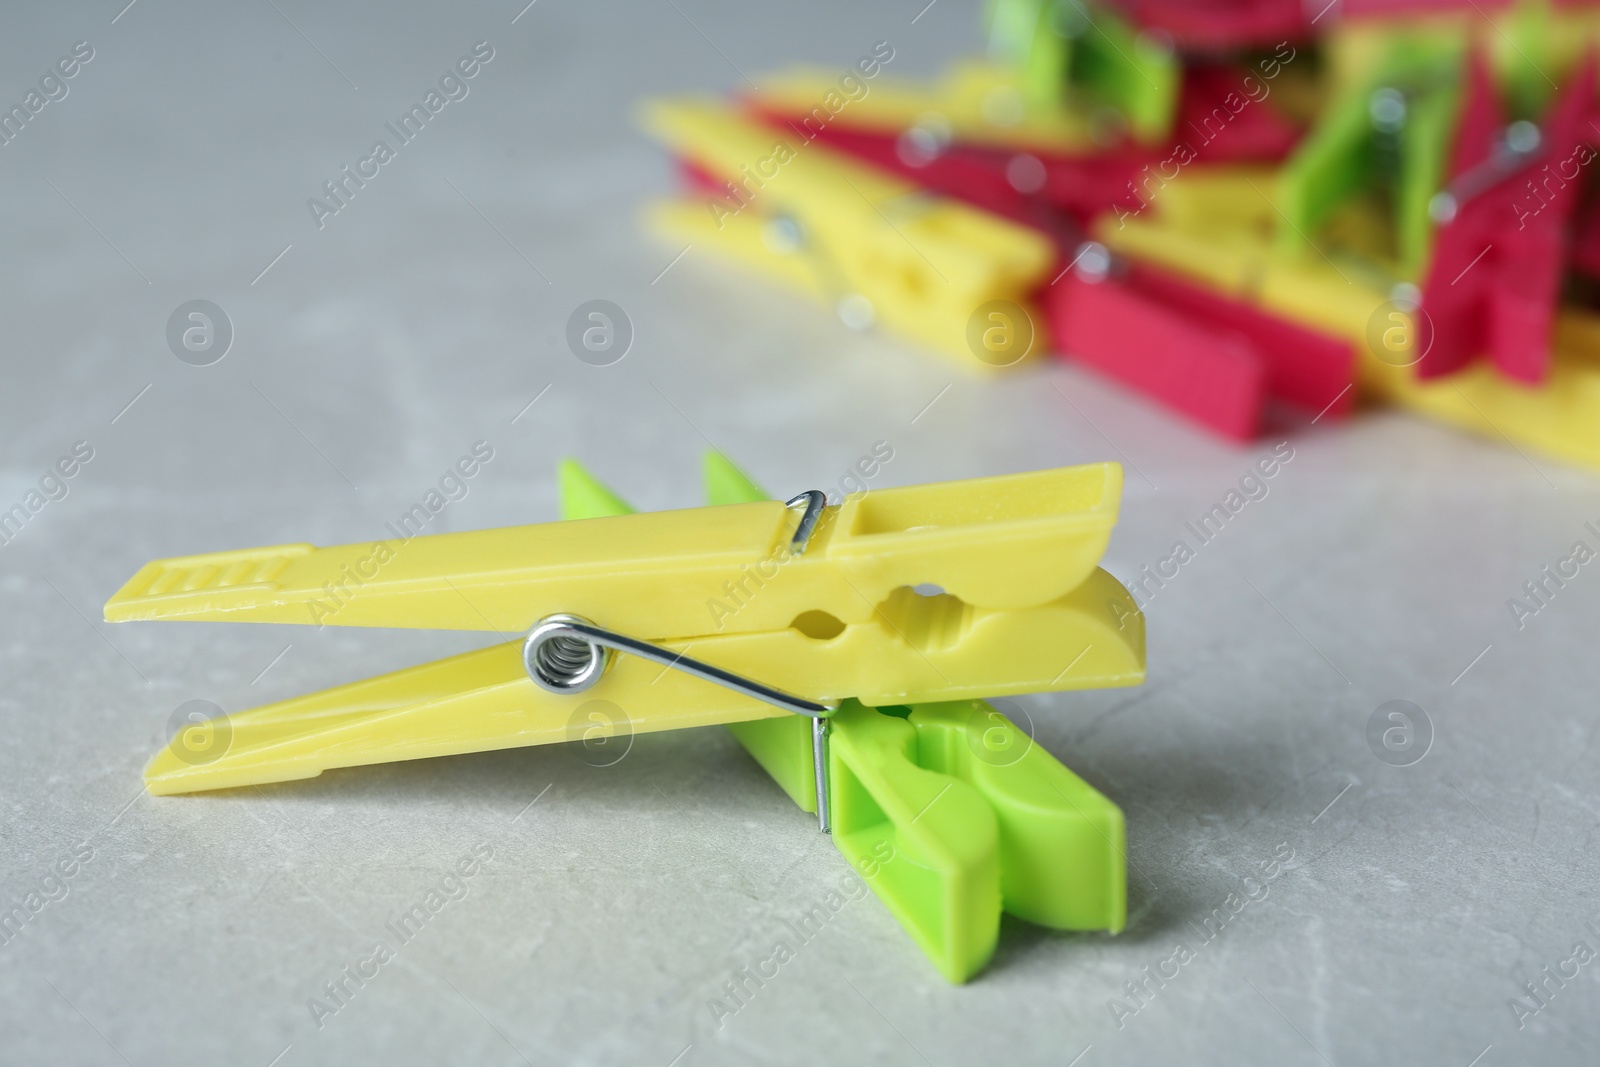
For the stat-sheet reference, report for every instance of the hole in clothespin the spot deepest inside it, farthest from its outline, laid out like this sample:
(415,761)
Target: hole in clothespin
(927,589)
(818,625)
(926,622)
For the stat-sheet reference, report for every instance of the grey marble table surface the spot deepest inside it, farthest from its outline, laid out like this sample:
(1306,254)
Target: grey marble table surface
(371,347)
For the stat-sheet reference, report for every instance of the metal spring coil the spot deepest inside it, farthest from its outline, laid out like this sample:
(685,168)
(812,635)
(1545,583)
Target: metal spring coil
(561,661)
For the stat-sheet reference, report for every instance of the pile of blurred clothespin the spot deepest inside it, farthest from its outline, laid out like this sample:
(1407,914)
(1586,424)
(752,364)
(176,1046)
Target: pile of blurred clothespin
(1247,210)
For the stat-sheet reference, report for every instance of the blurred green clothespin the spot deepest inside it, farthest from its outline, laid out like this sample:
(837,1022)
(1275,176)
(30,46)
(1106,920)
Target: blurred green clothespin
(1396,133)
(1065,53)
(1391,136)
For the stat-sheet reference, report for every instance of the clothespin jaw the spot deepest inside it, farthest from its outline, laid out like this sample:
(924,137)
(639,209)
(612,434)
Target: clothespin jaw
(1087,56)
(953,814)
(949,811)
(866,243)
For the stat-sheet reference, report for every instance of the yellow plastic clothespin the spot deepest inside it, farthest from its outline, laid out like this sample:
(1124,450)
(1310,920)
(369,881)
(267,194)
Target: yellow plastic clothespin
(681,618)
(976,102)
(870,245)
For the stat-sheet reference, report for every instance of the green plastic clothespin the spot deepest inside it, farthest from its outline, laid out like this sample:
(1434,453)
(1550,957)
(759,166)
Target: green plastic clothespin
(1063,50)
(1393,133)
(949,812)
(1344,153)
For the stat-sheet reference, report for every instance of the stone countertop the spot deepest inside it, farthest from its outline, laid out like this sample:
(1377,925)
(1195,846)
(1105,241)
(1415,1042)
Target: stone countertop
(609,906)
